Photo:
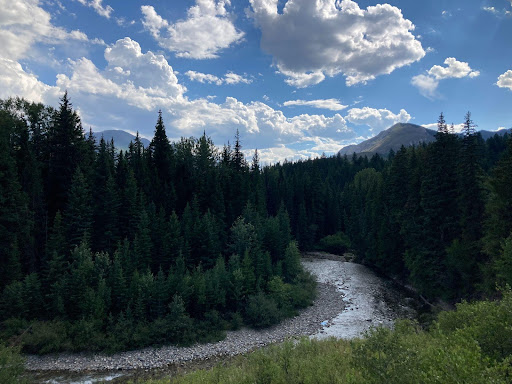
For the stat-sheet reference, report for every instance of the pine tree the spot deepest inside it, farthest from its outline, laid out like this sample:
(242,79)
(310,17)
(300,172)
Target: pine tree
(142,245)
(14,213)
(162,162)
(470,192)
(66,149)
(77,217)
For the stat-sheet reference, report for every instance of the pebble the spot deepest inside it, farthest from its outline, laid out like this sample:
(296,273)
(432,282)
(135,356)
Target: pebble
(328,304)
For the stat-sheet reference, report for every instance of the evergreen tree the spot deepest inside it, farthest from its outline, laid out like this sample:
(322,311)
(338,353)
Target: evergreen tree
(66,141)
(162,162)
(77,217)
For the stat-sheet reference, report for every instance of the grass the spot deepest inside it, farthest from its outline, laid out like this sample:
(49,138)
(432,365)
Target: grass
(472,345)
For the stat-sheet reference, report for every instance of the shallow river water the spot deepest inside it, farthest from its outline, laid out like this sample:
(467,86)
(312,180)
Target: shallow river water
(356,297)
(370,300)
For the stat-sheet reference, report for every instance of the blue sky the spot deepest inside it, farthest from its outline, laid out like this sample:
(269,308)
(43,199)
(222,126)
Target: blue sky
(296,77)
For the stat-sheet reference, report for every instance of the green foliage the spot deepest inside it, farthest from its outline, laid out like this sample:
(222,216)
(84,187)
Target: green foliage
(503,264)
(488,323)
(11,366)
(262,311)
(183,220)
(338,243)
(469,345)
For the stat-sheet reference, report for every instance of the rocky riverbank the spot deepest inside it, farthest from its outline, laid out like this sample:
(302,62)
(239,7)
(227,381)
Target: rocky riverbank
(328,304)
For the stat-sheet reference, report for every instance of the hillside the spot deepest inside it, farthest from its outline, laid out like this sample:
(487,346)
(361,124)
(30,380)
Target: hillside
(402,134)
(392,138)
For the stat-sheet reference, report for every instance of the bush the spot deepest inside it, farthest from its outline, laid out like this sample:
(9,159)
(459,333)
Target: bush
(47,337)
(489,323)
(338,243)
(11,365)
(261,311)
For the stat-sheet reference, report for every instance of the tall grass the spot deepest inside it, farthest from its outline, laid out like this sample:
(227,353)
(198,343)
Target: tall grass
(472,345)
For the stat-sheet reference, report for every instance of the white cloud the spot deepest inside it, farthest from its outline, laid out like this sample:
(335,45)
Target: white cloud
(15,81)
(491,10)
(377,119)
(313,39)
(426,84)
(97,5)
(207,30)
(127,92)
(233,78)
(142,80)
(498,12)
(203,77)
(281,153)
(505,80)
(24,23)
(229,78)
(454,69)
(331,104)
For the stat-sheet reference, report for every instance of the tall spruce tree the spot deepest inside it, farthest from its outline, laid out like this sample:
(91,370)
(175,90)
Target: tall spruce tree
(66,141)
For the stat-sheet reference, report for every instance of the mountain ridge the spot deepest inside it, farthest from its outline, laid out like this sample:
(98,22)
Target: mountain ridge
(405,134)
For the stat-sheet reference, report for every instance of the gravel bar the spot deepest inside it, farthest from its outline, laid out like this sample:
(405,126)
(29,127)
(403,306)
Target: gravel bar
(328,304)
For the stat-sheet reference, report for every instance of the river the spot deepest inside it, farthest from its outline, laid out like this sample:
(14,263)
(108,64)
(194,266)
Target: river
(351,299)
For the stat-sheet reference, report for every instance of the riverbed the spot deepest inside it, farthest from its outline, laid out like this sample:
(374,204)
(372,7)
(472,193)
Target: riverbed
(351,299)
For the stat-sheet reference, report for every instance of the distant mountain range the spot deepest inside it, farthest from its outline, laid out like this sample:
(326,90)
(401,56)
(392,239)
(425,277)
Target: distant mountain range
(398,135)
(121,138)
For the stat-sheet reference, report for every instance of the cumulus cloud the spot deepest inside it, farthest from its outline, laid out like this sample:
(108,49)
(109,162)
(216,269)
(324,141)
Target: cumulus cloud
(505,80)
(207,30)
(331,104)
(229,78)
(97,5)
(377,119)
(141,79)
(125,81)
(24,23)
(127,91)
(454,69)
(16,82)
(281,153)
(313,39)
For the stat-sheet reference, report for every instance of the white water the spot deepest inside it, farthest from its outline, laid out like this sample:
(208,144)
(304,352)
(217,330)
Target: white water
(370,300)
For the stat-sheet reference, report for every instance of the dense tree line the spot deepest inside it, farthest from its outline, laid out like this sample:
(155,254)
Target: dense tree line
(103,249)
(179,241)
(437,216)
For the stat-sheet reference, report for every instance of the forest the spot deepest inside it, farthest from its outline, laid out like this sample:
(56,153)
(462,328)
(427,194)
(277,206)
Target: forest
(107,250)
(178,242)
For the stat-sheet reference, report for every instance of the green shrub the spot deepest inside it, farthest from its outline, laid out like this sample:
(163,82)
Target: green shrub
(338,243)
(47,337)
(470,345)
(262,311)
(11,365)
(489,323)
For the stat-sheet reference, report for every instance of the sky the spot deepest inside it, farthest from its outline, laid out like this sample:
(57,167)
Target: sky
(297,78)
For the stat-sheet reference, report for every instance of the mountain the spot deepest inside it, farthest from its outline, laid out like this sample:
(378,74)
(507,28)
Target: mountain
(488,134)
(402,134)
(392,138)
(121,138)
